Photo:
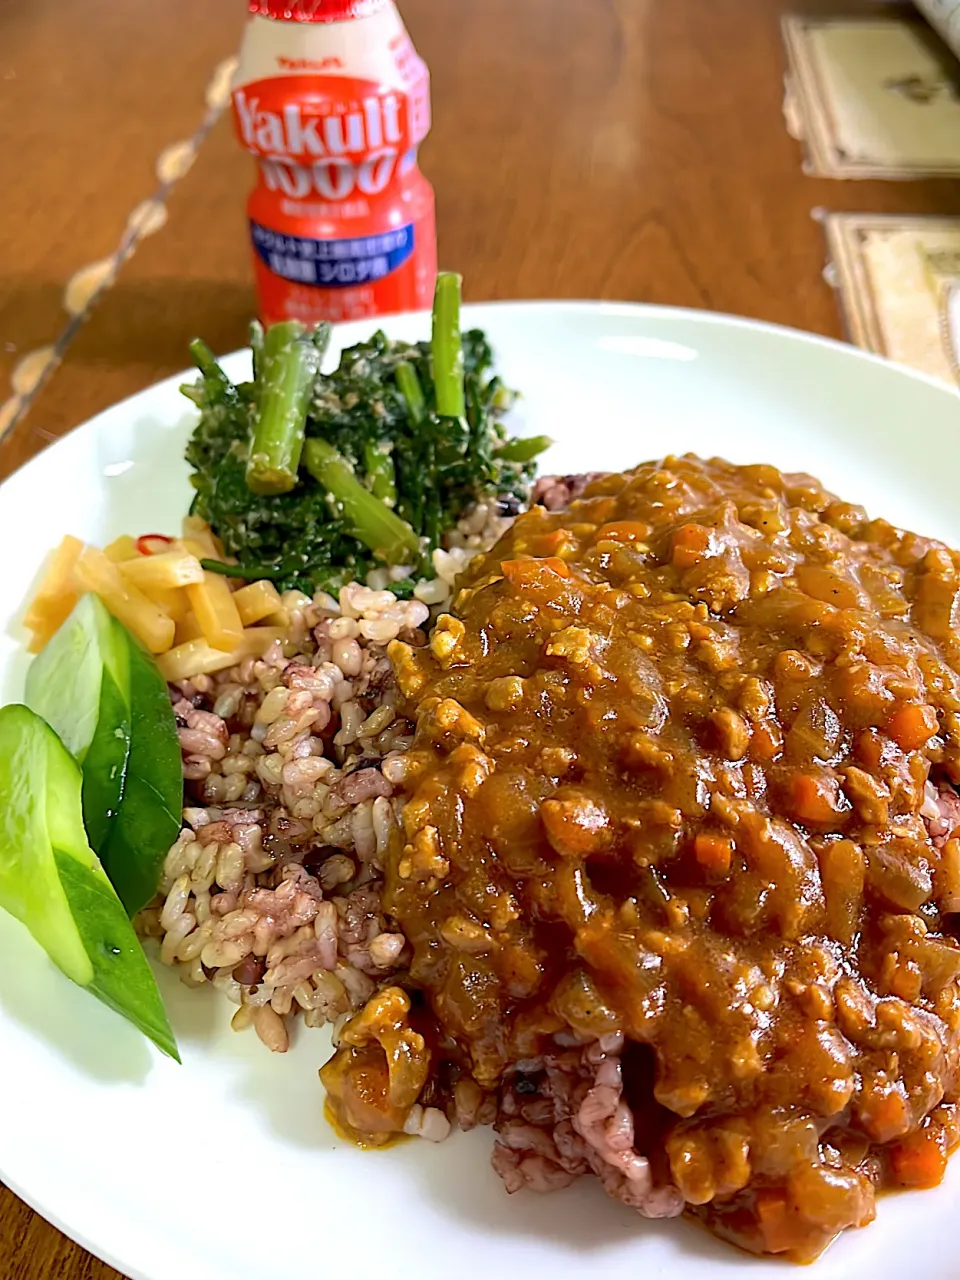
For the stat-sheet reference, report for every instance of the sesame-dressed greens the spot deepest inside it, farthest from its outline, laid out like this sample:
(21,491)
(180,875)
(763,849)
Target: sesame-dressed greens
(313,480)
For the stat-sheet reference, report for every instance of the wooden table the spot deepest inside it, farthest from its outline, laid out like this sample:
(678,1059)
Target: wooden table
(629,149)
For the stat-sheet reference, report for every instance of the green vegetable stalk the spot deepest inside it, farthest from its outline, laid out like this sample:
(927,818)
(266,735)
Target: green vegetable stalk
(256,347)
(523,448)
(216,380)
(370,520)
(447,347)
(412,392)
(287,366)
(248,572)
(380,471)
(51,880)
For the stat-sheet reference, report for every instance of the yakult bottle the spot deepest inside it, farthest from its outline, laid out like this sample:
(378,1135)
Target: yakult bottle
(332,99)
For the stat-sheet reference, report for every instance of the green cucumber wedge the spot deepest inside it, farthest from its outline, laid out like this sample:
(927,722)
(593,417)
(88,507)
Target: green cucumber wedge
(104,697)
(52,881)
(148,820)
(79,684)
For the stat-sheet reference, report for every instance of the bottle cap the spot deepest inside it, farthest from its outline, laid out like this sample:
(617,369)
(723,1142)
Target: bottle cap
(316,10)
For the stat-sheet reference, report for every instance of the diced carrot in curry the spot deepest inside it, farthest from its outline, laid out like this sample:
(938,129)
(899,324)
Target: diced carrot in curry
(714,853)
(550,544)
(623,531)
(884,1116)
(691,543)
(912,726)
(576,825)
(814,798)
(782,1228)
(532,569)
(766,741)
(920,1160)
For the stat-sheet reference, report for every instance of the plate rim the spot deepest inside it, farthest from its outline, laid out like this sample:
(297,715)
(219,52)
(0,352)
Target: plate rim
(627,309)
(77,1236)
(26,1191)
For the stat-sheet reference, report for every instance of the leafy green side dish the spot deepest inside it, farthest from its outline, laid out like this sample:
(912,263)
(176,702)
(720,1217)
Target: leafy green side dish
(412,431)
(51,880)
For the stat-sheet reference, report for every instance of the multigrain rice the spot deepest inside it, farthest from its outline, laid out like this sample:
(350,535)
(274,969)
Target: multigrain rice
(271,893)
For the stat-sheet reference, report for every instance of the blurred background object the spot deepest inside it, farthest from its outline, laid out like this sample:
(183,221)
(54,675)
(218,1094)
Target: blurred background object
(945,16)
(872,93)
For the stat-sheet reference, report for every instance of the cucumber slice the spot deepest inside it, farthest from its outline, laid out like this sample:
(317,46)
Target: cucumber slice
(51,880)
(103,695)
(148,820)
(79,683)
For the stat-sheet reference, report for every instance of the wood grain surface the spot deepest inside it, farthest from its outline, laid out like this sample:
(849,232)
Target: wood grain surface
(629,149)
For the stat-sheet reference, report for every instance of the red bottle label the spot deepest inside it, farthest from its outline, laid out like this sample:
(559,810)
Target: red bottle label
(342,221)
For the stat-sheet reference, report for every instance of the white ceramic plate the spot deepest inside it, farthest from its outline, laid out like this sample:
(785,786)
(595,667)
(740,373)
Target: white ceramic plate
(223,1169)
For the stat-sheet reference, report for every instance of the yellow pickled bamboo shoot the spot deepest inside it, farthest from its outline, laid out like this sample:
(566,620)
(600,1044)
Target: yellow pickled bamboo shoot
(127,603)
(188,628)
(212,602)
(197,657)
(205,545)
(172,600)
(56,595)
(257,601)
(167,569)
(122,548)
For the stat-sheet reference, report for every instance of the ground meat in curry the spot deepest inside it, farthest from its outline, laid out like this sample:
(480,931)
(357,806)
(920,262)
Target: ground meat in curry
(678,866)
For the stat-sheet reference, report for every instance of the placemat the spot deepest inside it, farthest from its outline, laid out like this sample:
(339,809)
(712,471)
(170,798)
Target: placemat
(898,281)
(873,95)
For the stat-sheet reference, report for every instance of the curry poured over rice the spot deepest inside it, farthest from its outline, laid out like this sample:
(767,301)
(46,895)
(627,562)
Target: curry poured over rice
(677,865)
